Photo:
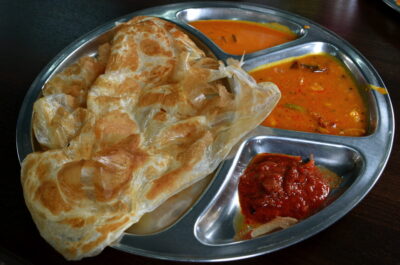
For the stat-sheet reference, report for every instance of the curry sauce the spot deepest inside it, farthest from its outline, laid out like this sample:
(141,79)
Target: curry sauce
(242,37)
(318,95)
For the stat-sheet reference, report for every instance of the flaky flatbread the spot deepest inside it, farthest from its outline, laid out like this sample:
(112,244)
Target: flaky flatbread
(156,121)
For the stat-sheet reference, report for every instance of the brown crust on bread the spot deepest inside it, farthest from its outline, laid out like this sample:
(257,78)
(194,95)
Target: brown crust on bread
(156,119)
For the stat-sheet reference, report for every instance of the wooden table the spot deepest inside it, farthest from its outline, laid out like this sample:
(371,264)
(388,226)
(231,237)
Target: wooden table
(33,32)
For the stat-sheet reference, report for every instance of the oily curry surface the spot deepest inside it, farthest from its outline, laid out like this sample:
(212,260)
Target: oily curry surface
(243,37)
(318,95)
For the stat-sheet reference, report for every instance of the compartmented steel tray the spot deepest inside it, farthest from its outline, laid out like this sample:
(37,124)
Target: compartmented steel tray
(206,231)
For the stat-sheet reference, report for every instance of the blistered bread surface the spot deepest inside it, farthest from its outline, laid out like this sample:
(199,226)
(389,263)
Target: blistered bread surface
(126,130)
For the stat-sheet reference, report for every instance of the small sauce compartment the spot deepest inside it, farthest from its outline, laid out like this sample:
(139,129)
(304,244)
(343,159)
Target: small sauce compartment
(322,91)
(218,224)
(239,32)
(277,191)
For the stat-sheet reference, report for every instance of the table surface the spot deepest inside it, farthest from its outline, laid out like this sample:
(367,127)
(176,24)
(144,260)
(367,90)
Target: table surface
(33,32)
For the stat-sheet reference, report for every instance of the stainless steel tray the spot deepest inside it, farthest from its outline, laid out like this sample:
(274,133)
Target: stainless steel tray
(205,232)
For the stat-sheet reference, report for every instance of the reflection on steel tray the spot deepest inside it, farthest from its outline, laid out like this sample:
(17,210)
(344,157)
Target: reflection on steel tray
(395,4)
(207,230)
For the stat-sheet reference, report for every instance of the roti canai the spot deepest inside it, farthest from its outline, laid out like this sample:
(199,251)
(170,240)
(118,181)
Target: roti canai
(126,130)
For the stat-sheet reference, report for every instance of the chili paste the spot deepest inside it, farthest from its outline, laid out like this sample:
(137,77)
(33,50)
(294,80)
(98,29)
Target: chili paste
(281,185)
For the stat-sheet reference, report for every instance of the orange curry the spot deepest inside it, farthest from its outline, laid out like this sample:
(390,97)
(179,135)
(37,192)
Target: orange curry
(241,37)
(318,95)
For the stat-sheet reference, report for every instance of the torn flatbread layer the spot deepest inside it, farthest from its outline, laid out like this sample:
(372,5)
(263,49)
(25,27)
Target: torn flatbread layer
(157,119)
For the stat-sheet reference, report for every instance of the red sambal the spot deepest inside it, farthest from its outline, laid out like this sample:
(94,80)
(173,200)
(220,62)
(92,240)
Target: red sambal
(281,185)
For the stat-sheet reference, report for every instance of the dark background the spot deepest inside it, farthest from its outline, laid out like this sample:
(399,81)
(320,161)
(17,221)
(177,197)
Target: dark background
(33,32)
